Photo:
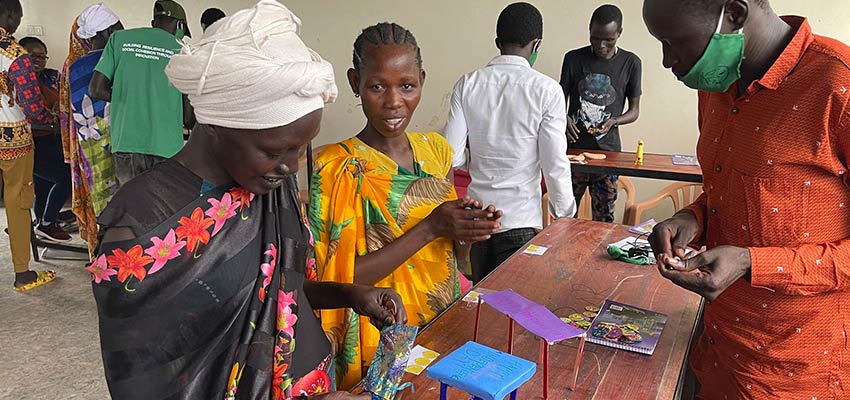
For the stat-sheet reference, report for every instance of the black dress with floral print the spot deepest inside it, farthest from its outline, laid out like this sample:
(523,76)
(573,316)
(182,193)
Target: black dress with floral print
(207,300)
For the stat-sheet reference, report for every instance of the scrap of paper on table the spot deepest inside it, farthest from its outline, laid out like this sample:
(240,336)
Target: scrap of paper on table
(536,250)
(420,358)
(473,295)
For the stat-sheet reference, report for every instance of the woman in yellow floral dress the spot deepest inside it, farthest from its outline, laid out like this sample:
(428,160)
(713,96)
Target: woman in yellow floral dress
(383,209)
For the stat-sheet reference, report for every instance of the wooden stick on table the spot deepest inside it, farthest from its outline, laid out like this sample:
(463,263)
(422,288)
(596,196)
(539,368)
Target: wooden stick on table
(477,318)
(511,336)
(578,361)
(546,369)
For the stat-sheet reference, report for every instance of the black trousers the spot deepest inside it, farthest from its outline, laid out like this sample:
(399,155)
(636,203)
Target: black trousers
(487,255)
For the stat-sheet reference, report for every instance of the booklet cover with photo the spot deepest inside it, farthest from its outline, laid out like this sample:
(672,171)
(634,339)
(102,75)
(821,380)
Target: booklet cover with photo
(625,327)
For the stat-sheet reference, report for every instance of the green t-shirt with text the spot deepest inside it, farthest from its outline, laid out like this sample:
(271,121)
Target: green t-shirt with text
(146,113)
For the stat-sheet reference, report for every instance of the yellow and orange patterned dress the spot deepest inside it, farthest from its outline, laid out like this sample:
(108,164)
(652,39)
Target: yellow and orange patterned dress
(361,200)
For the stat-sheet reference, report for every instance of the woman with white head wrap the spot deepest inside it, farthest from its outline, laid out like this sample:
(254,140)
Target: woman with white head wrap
(95,19)
(202,278)
(90,31)
(92,175)
(252,71)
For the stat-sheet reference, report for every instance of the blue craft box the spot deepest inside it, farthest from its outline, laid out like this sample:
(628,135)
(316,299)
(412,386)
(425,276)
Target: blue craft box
(486,373)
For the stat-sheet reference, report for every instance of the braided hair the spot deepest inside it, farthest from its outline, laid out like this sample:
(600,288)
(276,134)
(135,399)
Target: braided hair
(384,34)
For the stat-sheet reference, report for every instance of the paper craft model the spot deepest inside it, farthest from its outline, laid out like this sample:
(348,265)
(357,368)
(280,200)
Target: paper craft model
(538,320)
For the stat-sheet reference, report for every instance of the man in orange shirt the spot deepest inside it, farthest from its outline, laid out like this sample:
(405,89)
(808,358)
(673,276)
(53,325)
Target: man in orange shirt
(774,146)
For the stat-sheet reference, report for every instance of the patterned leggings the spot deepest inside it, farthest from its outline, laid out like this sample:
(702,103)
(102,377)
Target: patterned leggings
(603,194)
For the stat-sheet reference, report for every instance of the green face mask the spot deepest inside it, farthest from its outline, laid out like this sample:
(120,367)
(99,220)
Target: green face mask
(180,33)
(720,64)
(533,58)
(623,255)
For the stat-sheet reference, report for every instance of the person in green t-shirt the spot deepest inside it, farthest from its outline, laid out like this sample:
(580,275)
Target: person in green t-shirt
(146,112)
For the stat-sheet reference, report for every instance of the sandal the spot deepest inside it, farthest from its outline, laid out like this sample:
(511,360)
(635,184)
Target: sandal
(42,277)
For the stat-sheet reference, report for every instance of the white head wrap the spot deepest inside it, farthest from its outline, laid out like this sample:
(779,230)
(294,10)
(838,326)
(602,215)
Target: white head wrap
(251,71)
(94,19)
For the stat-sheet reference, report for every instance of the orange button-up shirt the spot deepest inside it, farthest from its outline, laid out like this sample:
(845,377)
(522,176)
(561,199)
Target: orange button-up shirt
(774,166)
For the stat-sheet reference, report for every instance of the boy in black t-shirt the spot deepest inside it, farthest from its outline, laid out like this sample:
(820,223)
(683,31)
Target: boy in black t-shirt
(597,80)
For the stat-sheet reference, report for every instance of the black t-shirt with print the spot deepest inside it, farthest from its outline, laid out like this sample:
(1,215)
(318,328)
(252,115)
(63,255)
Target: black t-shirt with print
(597,89)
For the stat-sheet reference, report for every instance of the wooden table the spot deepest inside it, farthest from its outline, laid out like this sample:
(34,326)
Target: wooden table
(575,272)
(656,166)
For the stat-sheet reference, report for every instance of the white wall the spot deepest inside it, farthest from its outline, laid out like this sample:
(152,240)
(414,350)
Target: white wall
(456,37)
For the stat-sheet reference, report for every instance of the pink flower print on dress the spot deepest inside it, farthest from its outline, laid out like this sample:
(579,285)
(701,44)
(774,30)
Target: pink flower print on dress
(267,269)
(287,299)
(285,318)
(100,271)
(309,231)
(164,251)
(312,274)
(221,211)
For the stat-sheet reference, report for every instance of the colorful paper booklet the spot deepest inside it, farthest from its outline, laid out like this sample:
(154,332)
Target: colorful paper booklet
(643,228)
(625,327)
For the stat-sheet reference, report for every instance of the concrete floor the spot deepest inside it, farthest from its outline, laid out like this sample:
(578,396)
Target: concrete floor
(49,343)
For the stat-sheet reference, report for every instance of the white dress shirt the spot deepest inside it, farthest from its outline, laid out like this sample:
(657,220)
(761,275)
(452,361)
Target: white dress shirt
(515,121)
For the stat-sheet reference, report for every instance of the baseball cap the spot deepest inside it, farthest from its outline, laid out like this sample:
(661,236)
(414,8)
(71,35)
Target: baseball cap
(173,9)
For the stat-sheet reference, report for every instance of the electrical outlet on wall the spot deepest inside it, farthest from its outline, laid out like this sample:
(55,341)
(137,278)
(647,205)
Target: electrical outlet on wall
(35,30)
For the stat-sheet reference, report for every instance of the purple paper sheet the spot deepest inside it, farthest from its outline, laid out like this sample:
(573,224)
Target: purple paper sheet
(507,301)
(531,316)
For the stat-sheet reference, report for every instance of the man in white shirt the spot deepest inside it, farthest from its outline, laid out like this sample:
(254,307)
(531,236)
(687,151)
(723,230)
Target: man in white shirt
(513,120)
